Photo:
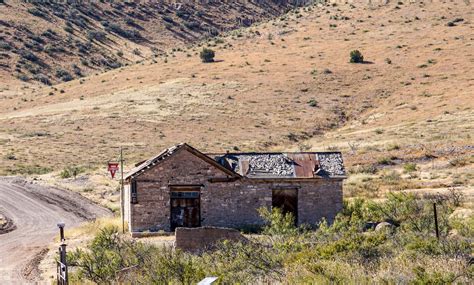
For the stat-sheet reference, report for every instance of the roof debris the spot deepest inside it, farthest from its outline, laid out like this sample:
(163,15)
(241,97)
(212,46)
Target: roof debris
(263,165)
(284,165)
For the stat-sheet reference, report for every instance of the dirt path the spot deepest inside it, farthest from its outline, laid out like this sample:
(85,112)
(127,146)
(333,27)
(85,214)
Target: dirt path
(35,210)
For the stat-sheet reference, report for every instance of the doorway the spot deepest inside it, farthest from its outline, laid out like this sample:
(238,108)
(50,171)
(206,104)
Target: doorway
(287,201)
(185,206)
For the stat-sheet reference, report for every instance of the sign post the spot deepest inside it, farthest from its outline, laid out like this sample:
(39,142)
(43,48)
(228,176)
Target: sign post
(62,272)
(113,167)
(121,191)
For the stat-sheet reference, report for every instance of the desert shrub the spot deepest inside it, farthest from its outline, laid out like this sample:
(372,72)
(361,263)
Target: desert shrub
(356,57)
(76,69)
(182,14)
(313,103)
(64,75)
(96,35)
(71,171)
(393,146)
(28,55)
(409,167)
(105,257)
(5,45)
(130,22)
(42,78)
(10,156)
(23,77)
(137,51)
(192,25)
(37,12)
(343,251)
(277,222)
(52,49)
(385,161)
(167,19)
(129,34)
(366,168)
(29,170)
(49,34)
(207,55)
(390,177)
(459,161)
(379,131)
(68,29)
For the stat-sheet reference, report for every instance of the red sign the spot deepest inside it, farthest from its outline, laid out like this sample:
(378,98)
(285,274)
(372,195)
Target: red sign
(113,168)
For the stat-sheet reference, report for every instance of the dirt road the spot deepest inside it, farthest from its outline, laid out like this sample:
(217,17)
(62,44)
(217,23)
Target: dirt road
(35,210)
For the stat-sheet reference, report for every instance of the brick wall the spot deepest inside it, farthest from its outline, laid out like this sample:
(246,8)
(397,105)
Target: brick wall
(225,204)
(196,239)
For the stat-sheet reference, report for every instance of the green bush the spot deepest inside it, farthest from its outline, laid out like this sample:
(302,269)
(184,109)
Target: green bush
(71,171)
(207,55)
(313,103)
(277,223)
(410,167)
(356,57)
(344,251)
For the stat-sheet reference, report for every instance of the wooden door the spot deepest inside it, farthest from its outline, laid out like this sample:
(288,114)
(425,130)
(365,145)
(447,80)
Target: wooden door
(185,207)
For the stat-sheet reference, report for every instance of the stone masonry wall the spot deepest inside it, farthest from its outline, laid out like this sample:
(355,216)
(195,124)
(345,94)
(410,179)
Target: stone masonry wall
(196,239)
(225,204)
(152,212)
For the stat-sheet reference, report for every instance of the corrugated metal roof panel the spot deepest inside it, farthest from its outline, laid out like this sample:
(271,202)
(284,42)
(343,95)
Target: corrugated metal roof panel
(304,164)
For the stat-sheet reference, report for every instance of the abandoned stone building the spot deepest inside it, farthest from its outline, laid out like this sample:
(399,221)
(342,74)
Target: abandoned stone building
(183,187)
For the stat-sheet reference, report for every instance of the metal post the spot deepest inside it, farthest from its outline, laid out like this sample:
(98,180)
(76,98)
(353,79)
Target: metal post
(436,220)
(62,271)
(121,191)
(61,233)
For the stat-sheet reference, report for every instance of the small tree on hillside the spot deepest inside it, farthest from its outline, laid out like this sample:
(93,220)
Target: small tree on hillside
(356,57)
(207,55)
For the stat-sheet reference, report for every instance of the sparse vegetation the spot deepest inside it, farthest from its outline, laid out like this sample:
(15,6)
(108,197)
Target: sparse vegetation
(356,57)
(410,167)
(348,250)
(313,103)
(207,55)
(71,171)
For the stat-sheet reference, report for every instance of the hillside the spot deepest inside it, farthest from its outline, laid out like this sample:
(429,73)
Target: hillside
(282,84)
(50,41)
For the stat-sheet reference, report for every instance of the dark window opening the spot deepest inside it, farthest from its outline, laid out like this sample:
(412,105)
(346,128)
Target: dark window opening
(133,191)
(287,201)
(185,206)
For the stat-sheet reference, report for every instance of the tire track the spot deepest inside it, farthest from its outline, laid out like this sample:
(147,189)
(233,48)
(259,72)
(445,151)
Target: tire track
(35,211)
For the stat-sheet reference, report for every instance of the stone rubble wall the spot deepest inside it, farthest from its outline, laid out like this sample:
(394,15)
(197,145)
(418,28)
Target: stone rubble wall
(202,238)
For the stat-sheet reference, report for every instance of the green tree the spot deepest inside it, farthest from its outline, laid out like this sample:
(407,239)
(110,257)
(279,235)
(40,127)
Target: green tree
(207,55)
(356,57)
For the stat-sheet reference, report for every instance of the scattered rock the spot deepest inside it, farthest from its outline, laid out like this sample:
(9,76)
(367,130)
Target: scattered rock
(461,214)
(383,226)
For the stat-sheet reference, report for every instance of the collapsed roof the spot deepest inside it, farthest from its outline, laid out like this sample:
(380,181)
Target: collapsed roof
(261,165)
(284,165)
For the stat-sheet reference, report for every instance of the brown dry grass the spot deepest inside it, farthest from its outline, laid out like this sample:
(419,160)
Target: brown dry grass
(257,96)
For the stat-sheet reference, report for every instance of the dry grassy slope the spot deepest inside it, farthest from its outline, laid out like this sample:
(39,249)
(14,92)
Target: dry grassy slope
(37,39)
(256,97)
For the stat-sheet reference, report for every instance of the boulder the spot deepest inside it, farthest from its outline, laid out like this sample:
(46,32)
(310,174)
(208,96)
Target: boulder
(384,226)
